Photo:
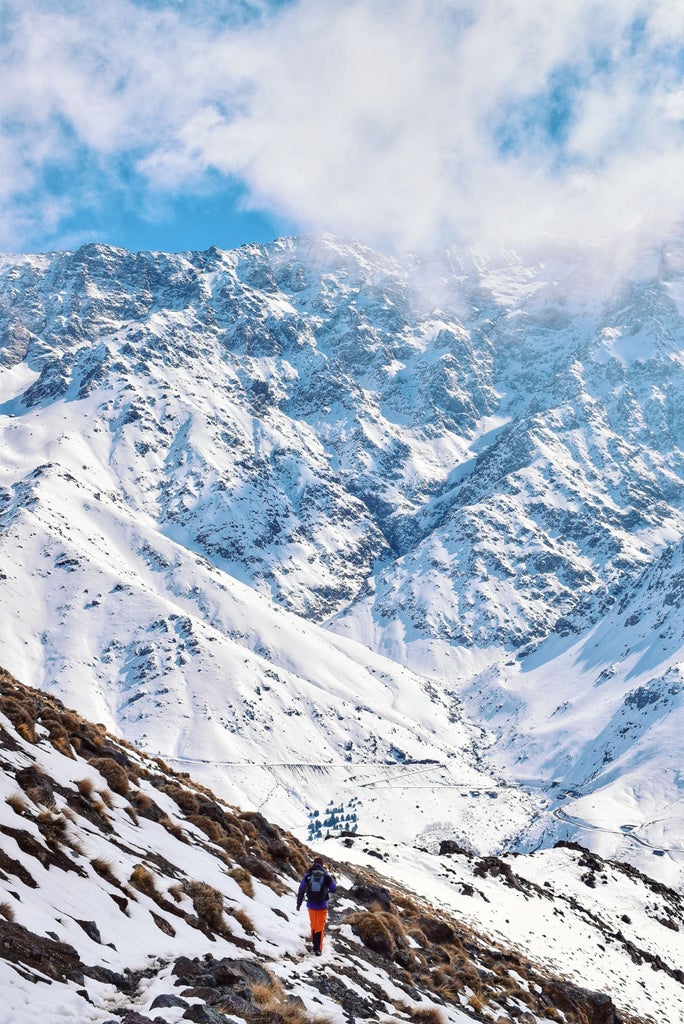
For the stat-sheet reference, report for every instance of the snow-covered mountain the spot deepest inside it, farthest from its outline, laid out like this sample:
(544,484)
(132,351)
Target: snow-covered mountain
(130,893)
(416,521)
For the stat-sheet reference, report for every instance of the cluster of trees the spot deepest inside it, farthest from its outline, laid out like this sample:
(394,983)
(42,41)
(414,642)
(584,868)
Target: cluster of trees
(334,819)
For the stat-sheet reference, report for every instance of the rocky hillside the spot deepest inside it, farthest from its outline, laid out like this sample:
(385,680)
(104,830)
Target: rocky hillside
(353,511)
(132,894)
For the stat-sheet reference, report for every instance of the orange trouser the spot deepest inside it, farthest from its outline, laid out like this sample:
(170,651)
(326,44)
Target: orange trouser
(317,919)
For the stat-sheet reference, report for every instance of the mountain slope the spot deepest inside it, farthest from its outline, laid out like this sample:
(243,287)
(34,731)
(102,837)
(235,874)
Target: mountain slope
(132,893)
(228,477)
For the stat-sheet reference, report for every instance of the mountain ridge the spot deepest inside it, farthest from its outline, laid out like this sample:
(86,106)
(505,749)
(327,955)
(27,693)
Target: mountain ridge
(456,463)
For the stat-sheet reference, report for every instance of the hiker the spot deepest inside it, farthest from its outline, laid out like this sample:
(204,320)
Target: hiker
(316,886)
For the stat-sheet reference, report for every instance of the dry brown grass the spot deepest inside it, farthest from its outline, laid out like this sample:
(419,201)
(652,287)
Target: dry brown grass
(74,843)
(275,1008)
(142,803)
(62,744)
(18,803)
(143,880)
(27,732)
(7,911)
(177,892)
(105,869)
(268,993)
(372,930)
(243,918)
(100,809)
(71,721)
(174,829)
(232,846)
(394,927)
(106,798)
(86,787)
(186,800)
(113,773)
(210,828)
(419,936)
(53,827)
(244,880)
(426,1015)
(208,904)
(39,790)
(96,736)
(18,710)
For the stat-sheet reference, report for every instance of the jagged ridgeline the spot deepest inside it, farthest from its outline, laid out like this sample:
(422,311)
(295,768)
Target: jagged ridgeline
(131,893)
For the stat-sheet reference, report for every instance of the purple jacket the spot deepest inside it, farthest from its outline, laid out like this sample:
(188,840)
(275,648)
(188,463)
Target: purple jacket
(321,904)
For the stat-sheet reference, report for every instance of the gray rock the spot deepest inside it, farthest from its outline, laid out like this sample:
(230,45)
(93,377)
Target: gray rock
(202,1014)
(166,1000)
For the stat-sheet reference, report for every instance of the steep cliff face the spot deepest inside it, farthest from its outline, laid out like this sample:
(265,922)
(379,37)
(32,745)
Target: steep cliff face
(226,475)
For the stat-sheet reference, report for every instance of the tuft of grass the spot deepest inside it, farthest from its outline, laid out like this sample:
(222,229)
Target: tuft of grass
(233,847)
(177,892)
(419,936)
(209,827)
(20,715)
(106,798)
(105,869)
(373,932)
(143,880)
(41,796)
(208,904)
(244,880)
(95,738)
(27,732)
(275,1006)
(172,828)
(61,743)
(266,994)
(71,721)
(426,1015)
(243,918)
(53,827)
(477,1002)
(186,800)
(113,773)
(7,911)
(141,802)
(100,809)
(18,803)
(86,787)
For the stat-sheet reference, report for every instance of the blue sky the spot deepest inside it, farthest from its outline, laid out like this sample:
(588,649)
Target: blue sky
(180,124)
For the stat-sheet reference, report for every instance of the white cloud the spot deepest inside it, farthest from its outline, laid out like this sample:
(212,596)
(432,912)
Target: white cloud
(382,120)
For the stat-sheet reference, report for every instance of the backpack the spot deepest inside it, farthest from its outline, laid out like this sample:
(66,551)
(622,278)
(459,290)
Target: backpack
(317,886)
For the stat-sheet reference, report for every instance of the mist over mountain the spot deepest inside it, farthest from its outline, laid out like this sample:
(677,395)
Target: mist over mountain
(305,508)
